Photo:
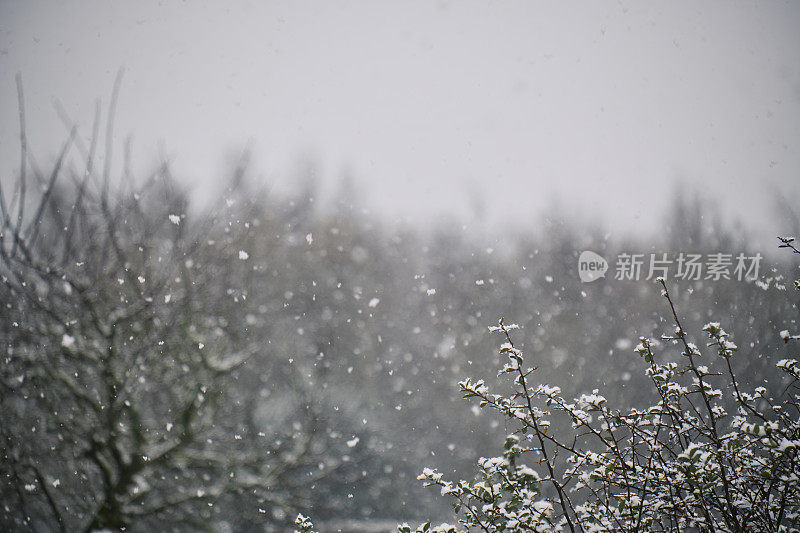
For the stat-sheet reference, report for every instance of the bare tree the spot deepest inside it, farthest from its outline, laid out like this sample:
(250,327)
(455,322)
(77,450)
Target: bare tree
(121,331)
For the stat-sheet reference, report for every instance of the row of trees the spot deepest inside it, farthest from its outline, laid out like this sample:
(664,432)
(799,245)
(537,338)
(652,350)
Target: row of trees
(232,365)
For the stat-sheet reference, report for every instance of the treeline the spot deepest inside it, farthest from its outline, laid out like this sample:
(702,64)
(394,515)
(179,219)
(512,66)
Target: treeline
(228,367)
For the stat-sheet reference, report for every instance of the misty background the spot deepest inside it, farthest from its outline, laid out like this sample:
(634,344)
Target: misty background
(434,107)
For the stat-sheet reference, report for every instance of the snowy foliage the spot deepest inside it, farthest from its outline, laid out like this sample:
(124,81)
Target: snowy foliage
(708,456)
(303,524)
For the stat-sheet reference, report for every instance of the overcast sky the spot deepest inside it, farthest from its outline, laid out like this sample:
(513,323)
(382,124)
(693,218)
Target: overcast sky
(601,105)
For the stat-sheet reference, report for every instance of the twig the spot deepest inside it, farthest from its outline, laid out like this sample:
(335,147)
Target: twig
(76,207)
(23,141)
(33,228)
(112,108)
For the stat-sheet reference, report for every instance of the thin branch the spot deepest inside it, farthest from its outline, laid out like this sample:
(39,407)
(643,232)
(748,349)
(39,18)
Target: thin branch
(112,108)
(23,142)
(50,500)
(33,228)
(76,207)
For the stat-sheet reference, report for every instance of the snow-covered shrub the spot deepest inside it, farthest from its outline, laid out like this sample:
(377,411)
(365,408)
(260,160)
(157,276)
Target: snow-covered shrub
(706,455)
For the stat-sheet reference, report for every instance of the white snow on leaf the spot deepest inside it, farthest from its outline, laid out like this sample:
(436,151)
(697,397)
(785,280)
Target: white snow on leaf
(374,302)
(243,255)
(431,292)
(67,340)
(352,443)
(175,219)
(309,238)
(167,298)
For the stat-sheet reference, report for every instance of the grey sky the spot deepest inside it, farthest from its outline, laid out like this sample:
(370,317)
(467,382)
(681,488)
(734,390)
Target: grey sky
(599,104)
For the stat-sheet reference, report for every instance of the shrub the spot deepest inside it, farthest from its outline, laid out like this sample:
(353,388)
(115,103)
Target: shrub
(707,455)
